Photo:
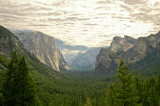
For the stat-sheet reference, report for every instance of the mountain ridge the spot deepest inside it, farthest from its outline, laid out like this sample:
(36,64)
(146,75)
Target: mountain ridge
(108,60)
(85,61)
(10,43)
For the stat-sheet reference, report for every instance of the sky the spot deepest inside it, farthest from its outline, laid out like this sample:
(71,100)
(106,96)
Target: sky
(92,23)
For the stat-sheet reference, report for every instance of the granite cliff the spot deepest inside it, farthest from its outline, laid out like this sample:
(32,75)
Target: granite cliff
(122,44)
(43,47)
(129,49)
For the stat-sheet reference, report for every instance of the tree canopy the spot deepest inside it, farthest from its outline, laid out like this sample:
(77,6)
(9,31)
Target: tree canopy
(18,88)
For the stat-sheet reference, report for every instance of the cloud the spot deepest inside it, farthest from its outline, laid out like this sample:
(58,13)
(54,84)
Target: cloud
(49,13)
(126,7)
(55,19)
(104,2)
(134,2)
(83,22)
(90,24)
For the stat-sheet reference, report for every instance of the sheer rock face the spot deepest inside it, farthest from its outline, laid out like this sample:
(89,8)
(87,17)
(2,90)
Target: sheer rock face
(130,50)
(122,44)
(43,47)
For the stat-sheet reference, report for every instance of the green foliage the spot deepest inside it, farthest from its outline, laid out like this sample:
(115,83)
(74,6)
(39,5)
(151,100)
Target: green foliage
(122,90)
(149,65)
(2,76)
(9,89)
(74,90)
(88,103)
(78,88)
(4,61)
(130,90)
(111,95)
(138,86)
(18,89)
(150,92)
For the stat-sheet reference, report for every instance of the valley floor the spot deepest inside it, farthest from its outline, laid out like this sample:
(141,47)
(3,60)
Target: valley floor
(77,89)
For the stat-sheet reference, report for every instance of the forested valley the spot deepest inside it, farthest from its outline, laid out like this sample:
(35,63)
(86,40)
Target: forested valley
(126,88)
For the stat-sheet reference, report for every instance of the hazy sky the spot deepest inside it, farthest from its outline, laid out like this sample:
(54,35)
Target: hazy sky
(83,22)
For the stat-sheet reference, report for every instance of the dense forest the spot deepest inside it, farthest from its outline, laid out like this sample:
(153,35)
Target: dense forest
(126,88)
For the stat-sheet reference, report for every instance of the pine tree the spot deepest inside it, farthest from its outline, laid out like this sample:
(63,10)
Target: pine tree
(158,84)
(150,94)
(111,95)
(138,85)
(19,89)
(124,92)
(26,91)
(9,87)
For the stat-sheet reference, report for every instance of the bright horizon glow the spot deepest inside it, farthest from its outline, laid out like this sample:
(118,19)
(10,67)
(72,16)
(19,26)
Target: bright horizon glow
(92,23)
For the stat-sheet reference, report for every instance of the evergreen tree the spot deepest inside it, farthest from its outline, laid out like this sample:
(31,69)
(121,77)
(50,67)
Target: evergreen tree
(111,95)
(26,91)
(138,85)
(18,88)
(158,86)
(9,87)
(150,94)
(124,92)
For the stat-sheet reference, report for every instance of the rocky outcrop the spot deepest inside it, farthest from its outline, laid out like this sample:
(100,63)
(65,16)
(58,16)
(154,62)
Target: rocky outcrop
(108,59)
(143,47)
(43,47)
(122,44)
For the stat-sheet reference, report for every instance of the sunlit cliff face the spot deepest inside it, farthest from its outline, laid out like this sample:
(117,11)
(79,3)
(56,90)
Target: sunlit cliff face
(83,22)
